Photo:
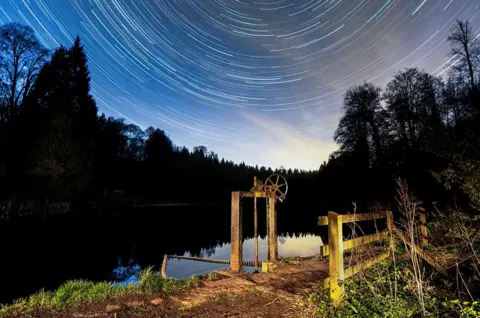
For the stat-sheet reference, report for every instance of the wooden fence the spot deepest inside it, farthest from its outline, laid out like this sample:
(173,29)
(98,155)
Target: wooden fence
(336,247)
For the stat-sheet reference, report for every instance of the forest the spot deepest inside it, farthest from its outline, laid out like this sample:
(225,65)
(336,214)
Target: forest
(60,155)
(55,146)
(420,128)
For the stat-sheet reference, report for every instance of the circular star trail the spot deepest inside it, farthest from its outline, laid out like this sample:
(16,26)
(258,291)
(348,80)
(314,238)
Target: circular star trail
(252,80)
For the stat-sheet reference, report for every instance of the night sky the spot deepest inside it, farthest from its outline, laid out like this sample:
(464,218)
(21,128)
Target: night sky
(259,81)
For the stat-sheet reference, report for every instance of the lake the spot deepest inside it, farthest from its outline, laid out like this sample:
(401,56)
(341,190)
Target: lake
(45,254)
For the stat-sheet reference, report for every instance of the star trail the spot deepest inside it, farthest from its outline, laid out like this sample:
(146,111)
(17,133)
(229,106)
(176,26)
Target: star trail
(256,81)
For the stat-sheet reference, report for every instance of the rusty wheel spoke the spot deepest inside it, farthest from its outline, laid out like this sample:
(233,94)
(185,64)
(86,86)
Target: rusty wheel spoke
(279,188)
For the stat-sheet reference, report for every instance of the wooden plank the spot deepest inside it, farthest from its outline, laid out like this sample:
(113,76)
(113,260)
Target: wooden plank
(248,194)
(335,262)
(349,272)
(349,218)
(267,223)
(255,225)
(272,231)
(349,244)
(429,259)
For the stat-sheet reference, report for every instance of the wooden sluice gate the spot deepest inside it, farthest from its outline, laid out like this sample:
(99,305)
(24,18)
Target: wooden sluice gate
(275,188)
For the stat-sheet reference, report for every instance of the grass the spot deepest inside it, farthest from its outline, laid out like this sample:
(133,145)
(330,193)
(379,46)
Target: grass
(289,260)
(76,292)
(211,276)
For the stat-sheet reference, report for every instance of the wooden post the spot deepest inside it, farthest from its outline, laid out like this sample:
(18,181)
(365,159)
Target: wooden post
(423,228)
(236,234)
(164,266)
(267,203)
(391,239)
(255,225)
(272,230)
(335,262)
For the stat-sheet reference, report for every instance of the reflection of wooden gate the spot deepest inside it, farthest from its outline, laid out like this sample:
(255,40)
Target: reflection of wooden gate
(336,246)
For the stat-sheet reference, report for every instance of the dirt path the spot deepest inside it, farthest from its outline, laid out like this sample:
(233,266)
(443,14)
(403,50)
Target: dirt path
(283,293)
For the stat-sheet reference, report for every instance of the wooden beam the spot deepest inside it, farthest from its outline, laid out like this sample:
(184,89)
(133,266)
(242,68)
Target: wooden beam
(349,272)
(272,231)
(258,194)
(429,259)
(349,218)
(349,244)
(255,225)
(267,223)
(236,254)
(248,194)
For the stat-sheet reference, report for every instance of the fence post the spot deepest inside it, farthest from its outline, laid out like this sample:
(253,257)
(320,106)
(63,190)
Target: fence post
(236,234)
(391,239)
(335,262)
(423,228)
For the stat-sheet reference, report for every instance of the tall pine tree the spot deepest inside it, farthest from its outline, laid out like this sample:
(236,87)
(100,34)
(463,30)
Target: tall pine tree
(66,124)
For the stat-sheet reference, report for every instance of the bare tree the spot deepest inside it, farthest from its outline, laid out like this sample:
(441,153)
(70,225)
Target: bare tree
(468,50)
(21,57)
(408,207)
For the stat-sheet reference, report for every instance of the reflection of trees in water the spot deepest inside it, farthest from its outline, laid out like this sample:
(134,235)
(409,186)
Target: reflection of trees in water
(207,252)
(98,245)
(125,271)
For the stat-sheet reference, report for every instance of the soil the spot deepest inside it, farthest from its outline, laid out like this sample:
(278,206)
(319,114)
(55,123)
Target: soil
(281,293)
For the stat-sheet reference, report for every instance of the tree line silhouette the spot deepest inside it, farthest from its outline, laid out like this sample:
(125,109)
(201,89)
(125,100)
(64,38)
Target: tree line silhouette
(55,145)
(420,127)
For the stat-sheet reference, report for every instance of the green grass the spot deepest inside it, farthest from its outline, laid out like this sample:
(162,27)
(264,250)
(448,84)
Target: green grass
(288,260)
(76,292)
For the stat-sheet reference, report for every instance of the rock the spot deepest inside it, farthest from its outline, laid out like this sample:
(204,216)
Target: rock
(136,304)
(112,308)
(156,301)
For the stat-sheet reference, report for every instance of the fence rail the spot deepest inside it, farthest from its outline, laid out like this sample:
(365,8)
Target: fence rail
(336,247)
(357,217)
(356,242)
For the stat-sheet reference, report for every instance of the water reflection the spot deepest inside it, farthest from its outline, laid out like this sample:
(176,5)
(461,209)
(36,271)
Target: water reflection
(302,245)
(115,247)
(125,275)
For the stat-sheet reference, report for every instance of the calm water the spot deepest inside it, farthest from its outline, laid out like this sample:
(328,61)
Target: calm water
(45,254)
(302,245)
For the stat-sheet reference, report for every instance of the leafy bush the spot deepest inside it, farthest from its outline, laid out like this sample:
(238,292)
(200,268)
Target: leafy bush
(372,294)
